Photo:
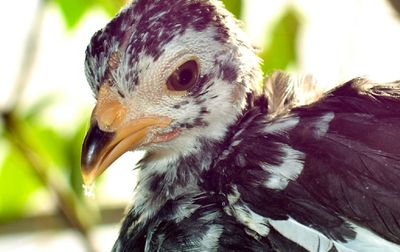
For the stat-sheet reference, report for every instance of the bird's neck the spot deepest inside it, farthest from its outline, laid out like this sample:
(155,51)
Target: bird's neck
(165,181)
(162,178)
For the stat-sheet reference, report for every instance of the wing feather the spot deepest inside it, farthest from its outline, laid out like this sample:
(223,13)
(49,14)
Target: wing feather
(347,168)
(354,167)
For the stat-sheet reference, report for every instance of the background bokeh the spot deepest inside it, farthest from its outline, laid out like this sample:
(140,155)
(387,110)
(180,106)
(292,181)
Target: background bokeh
(45,102)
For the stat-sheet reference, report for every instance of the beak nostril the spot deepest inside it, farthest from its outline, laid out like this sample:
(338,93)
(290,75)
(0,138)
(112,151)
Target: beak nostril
(110,113)
(108,118)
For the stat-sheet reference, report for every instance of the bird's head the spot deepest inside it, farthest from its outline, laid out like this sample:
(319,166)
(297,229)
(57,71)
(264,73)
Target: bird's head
(165,75)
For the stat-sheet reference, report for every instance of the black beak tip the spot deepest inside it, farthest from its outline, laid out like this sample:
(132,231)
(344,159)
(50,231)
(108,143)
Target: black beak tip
(95,142)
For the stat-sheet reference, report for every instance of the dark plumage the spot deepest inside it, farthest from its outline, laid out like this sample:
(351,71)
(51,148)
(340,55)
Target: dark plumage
(231,167)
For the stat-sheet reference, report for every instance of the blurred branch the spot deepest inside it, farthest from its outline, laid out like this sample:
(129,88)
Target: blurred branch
(46,222)
(67,203)
(70,207)
(29,52)
(396,6)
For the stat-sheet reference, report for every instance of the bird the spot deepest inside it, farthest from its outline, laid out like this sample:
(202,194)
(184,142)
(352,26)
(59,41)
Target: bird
(234,162)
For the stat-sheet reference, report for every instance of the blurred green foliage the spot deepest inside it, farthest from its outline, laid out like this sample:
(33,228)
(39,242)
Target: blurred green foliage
(74,10)
(235,7)
(281,51)
(36,155)
(34,149)
(17,184)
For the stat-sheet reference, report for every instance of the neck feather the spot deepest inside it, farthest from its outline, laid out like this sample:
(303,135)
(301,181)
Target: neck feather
(162,178)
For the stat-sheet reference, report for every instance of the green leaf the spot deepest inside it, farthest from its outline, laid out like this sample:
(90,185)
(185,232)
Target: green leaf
(48,143)
(37,108)
(281,51)
(74,10)
(234,6)
(111,7)
(17,185)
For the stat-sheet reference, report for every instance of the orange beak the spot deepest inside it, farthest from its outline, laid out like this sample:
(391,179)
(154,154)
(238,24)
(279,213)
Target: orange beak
(110,135)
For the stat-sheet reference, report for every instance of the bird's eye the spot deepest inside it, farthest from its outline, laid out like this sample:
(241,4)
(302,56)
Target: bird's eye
(184,77)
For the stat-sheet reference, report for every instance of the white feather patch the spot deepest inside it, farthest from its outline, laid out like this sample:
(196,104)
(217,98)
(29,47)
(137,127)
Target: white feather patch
(322,126)
(210,240)
(255,223)
(290,168)
(281,125)
(306,237)
(367,241)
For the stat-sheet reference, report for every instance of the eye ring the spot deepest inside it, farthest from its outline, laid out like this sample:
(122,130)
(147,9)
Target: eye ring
(184,77)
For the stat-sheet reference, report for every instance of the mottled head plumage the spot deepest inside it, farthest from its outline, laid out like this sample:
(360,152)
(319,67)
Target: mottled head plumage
(140,48)
(145,27)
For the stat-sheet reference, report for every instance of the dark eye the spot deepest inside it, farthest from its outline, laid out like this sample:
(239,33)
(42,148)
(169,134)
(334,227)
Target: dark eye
(184,77)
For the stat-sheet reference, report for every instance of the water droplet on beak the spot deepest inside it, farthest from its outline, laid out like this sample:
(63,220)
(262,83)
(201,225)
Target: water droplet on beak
(88,190)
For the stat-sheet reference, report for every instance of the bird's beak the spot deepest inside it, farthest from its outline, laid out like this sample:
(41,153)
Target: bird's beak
(111,135)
